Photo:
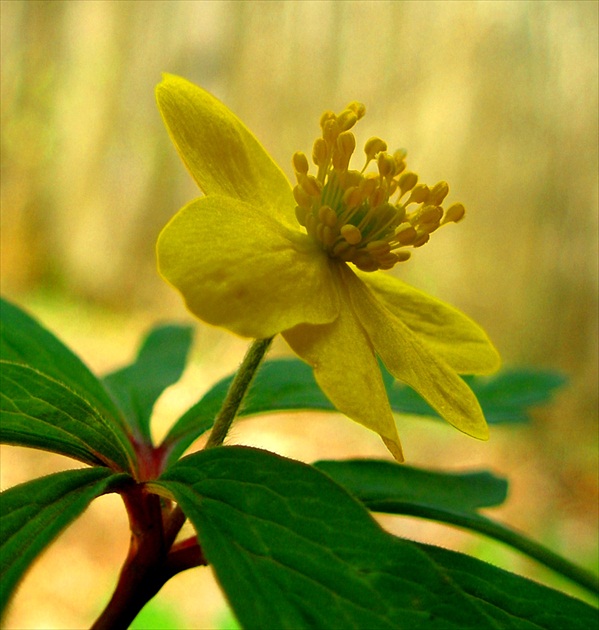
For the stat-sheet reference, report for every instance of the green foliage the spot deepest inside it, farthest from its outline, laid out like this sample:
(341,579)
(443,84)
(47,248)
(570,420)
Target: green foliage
(452,498)
(381,484)
(292,545)
(259,518)
(40,412)
(160,363)
(34,513)
(23,340)
(289,385)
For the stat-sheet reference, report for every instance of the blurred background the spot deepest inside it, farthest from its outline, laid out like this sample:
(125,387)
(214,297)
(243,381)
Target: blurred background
(497,98)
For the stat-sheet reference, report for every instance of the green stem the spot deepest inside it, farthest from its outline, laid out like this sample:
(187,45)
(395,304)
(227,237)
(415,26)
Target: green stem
(237,391)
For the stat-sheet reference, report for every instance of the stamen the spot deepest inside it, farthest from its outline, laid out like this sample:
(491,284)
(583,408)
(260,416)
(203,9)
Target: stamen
(350,213)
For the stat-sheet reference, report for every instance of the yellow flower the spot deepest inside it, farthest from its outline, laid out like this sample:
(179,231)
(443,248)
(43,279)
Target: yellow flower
(259,258)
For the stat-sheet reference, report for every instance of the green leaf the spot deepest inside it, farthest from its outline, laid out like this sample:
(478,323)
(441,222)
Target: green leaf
(452,498)
(160,363)
(34,513)
(24,340)
(292,549)
(515,601)
(289,385)
(379,482)
(40,412)
(509,395)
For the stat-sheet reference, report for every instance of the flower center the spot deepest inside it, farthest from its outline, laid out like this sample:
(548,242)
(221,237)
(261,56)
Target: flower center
(368,219)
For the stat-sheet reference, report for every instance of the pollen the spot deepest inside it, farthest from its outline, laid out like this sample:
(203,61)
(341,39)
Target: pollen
(371,217)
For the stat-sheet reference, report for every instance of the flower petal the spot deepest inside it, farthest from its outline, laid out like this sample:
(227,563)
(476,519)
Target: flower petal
(347,372)
(240,269)
(448,333)
(220,152)
(415,363)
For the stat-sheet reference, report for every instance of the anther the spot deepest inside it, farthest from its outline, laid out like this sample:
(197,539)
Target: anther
(358,108)
(327,215)
(347,119)
(419,194)
(346,143)
(454,213)
(319,152)
(386,165)
(300,163)
(310,185)
(407,181)
(351,234)
(302,197)
(374,146)
(438,193)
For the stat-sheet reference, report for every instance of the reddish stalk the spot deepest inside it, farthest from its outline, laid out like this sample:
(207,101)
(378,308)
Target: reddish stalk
(152,559)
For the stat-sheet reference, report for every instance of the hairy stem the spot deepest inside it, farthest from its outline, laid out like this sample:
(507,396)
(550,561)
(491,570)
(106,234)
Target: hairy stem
(237,391)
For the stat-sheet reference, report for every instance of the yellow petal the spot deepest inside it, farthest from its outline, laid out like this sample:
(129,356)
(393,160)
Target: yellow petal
(238,268)
(347,372)
(448,333)
(220,152)
(415,363)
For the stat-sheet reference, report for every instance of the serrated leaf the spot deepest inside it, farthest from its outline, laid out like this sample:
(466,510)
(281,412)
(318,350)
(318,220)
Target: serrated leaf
(292,549)
(289,384)
(34,513)
(40,412)
(23,340)
(159,364)
(452,498)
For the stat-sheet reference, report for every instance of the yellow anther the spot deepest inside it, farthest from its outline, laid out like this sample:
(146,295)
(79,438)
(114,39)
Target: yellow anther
(327,215)
(302,197)
(326,116)
(351,234)
(400,213)
(419,194)
(405,234)
(300,163)
(365,262)
(368,184)
(353,197)
(429,214)
(330,130)
(361,217)
(347,119)
(421,240)
(454,213)
(378,197)
(346,143)
(374,146)
(328,236)
(319,152)
(407,181)
(310,185)
(386,165)
(378,248)
(400,155)
(438,193)
(358,108)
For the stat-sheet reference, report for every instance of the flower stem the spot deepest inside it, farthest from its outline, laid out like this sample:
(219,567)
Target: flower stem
(237,391)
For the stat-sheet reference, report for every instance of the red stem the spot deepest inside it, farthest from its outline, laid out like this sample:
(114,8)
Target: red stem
(150,562)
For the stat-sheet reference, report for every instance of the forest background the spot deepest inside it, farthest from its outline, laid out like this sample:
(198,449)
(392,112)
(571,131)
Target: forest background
(498,98)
